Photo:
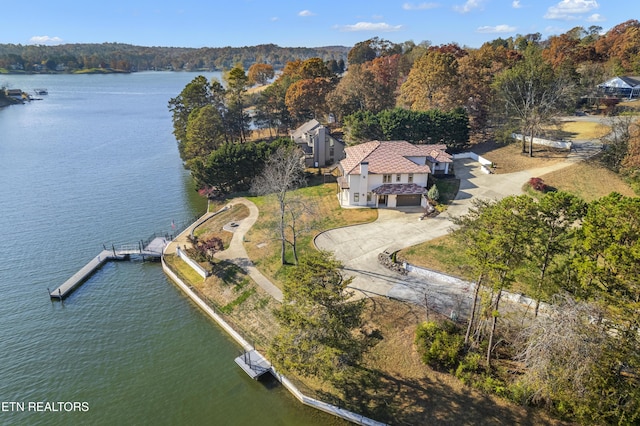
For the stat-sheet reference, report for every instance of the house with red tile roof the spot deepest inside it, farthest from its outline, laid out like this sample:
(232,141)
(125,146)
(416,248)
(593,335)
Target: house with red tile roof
(389,173)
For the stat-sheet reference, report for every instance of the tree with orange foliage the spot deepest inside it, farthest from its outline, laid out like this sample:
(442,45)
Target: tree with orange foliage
(306,98)
(260,73)
(433,82)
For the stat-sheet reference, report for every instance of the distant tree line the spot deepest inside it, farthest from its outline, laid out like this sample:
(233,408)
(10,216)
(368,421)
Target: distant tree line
(126,57)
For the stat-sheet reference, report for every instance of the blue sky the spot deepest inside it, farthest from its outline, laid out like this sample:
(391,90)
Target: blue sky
(215,23)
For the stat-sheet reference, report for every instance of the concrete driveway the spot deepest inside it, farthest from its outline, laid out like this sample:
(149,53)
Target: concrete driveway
(357,247)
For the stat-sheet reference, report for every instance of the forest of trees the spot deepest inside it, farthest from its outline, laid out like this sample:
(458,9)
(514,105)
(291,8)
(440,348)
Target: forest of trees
(421,93)
(126,57)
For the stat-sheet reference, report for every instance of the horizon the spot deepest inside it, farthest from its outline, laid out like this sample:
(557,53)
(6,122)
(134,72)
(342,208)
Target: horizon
(310,24)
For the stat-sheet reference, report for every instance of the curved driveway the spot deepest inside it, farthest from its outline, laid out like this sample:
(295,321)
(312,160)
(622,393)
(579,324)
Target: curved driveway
(357,247)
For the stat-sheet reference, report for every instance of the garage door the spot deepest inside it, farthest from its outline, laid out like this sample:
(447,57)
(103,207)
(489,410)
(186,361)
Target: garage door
(408,200)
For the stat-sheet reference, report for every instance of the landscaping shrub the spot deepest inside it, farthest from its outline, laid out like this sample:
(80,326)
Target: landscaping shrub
(433,193)
(538,184)
(440,344)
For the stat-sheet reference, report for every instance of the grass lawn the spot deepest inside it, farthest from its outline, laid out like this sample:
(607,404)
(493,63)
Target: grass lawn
(578,130)
(213,227)
(509,157)
(580,179)
(264,249)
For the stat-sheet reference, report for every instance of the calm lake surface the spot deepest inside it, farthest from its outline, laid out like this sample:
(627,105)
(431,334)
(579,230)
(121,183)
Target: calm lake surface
(94,162)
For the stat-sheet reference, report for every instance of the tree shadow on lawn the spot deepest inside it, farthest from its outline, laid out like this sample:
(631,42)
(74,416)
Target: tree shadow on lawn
(398,389)
(412,401)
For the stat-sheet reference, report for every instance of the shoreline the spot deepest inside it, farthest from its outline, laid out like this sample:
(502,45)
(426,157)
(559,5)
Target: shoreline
(311,402)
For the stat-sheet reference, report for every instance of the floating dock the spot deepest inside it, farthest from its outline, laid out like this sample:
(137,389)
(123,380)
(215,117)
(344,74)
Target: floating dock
(153,249)
(253,363)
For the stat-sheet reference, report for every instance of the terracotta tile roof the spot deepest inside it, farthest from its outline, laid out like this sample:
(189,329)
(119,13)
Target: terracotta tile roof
(392,157)
(399,189)
(355,155)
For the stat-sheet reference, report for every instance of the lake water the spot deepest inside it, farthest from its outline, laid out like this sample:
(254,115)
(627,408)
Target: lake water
(94,162)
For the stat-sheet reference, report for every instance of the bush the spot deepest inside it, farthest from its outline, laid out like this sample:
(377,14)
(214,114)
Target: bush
(440,344)
(468,366)
(433,193)
(538,184)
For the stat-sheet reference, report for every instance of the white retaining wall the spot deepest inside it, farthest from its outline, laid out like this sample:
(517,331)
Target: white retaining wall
(194,265)
(484,163)
(512,297)
(546,142)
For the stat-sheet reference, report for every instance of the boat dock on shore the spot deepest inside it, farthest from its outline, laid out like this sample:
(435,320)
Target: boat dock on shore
(253,363)
(152,249)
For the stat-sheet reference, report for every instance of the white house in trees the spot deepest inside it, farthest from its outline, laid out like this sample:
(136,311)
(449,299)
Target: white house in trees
(320,148)
(389,173)
(622,86)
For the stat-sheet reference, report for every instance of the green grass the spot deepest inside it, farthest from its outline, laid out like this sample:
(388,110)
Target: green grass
(443,254)
(226,309)
(184,271)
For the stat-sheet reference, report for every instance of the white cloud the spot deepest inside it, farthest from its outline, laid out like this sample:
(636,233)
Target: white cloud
(468,6)
(516,4)
(497,29)
(596,17)
(306,13)
(420,6)
(370,26)
(45,40)
(274,19)
(570,9)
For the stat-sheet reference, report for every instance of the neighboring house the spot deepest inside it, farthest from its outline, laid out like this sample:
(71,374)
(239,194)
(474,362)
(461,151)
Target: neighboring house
(622,86)
(320,148)
(390,173)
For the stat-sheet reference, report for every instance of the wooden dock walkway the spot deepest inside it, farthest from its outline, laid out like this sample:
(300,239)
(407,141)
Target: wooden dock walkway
(152,250)
(253,363)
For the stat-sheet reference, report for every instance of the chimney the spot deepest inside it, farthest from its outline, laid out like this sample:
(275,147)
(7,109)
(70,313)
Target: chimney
(364,169)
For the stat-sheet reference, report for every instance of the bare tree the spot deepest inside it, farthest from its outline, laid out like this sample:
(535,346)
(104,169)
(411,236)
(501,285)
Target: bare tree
(300,213)
(283,172)
(561,350)
(532,93)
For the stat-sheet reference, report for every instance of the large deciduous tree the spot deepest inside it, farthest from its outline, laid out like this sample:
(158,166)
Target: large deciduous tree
(432,83)
(283,172)
(370,86)
(260,73)
(532,93)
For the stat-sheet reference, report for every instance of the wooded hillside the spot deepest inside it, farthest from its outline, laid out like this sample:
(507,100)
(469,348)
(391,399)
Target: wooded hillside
(70,57)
